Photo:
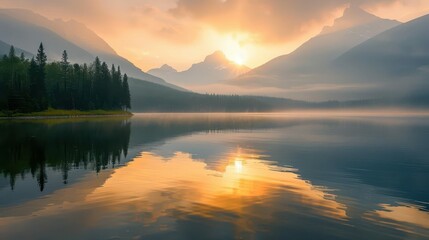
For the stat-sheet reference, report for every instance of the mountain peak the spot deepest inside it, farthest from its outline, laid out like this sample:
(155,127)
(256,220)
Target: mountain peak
(216,57)
(352,17)
(357,15)
(167,67)
(164,69)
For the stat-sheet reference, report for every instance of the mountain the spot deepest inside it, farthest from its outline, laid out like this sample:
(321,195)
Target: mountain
(389,69)
(300,70)
(5,48)
(71,30)
(395,62)
(165,71)
(82,44)
(215,68)
(17,32)
(146,98)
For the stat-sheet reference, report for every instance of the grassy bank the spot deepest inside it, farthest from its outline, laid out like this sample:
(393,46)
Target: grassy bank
(65,113)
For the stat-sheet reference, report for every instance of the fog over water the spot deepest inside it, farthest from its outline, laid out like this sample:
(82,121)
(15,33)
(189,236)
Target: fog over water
(217,176)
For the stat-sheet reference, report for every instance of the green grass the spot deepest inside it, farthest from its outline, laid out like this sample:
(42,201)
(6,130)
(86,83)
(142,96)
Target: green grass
(66,113)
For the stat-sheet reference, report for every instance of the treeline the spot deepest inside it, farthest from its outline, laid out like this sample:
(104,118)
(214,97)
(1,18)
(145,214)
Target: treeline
(35,85)
(146,99)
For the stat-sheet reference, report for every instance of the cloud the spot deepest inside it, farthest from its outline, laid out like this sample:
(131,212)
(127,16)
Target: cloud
(78,9)
(159,23)
(268,20)
(182,32)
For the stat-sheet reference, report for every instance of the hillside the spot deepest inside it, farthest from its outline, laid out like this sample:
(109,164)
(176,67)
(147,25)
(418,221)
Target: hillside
(395,63)
(58,35)
(151,97)
(299,72)
(5,48)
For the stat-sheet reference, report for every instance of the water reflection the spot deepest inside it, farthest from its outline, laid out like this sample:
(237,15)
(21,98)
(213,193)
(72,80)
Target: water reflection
(30,148)
(215,177)
(155,192)
(407,217)
(158,186)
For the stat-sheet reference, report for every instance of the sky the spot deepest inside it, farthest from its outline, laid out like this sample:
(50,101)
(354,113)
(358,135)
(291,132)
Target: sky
(151,33)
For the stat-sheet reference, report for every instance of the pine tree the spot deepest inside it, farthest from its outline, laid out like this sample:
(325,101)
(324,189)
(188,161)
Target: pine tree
(87,89)
(116,88)
(41,57)
(126,97)
(39,91)
(34,85)
(66,94)
(97,81)
(105,87)
(65,58)
(12,52)
(32,74)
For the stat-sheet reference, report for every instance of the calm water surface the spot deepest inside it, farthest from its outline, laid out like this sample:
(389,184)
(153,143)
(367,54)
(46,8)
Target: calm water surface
(215,176)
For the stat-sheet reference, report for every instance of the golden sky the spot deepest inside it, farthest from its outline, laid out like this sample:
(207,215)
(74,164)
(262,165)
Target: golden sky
(181,32)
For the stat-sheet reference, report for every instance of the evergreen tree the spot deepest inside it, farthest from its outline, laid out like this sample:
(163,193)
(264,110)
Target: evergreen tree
(116,87)
(98,84)
(105,87)
(39,91)
(87,89)
(75,85)
(32,73)
(66,93)
(34,85)
(12,52)
(126,97)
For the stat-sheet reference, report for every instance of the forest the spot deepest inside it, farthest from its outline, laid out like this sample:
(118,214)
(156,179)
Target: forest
(34,85)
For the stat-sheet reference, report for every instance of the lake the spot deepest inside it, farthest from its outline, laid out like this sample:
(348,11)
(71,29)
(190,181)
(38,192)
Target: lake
(216,176)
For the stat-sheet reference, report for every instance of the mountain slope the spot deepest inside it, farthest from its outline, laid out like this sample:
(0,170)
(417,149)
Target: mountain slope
(304,64)
(71,30)
(27,36)
(215,68)
(396,61)
(400,51)
(82,44)
(152,97)
(5,48)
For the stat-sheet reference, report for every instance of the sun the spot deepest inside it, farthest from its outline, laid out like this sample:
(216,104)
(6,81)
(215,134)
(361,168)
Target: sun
(234,51)
(237,59)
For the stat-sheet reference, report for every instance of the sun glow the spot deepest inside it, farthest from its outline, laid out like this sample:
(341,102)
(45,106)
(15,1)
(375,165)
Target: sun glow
(234,50)
(238,163)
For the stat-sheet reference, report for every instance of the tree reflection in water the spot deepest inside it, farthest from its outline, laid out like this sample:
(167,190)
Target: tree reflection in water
(30,147)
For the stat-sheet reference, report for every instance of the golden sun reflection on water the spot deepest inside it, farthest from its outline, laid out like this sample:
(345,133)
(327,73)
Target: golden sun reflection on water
(238,165)
(406,217)
(247,193)
(155,185)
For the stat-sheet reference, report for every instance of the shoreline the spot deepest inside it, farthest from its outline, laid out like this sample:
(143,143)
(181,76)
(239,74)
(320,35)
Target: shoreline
(63,117)
(65,114)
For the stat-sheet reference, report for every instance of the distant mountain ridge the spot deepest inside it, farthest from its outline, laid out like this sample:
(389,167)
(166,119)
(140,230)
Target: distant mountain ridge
(82,44)
(299,72)
(215,68)
(354,59)
(395,62)
(71,30)
(5,48)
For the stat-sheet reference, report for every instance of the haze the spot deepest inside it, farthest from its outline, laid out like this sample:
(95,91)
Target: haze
(182,32)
